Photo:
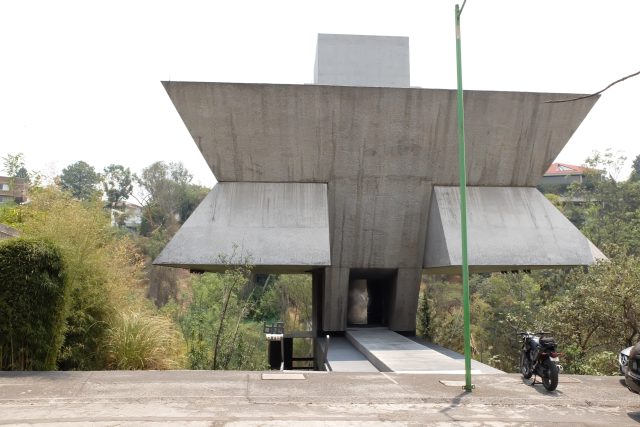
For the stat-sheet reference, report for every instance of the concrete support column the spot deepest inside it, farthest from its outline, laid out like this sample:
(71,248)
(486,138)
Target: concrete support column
(335,299)
(404,300)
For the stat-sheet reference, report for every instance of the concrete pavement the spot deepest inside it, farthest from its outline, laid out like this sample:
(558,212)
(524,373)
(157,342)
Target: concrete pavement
(392,352)
(199,398)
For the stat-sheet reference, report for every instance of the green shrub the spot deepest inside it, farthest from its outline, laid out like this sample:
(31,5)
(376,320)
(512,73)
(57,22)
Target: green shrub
(103,271)
(215,324)
(32,304)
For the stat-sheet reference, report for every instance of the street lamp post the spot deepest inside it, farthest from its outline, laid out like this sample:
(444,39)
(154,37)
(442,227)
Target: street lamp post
(463,210)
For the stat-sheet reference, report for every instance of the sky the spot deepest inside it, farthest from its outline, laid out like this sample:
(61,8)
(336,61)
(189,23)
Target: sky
(81,79)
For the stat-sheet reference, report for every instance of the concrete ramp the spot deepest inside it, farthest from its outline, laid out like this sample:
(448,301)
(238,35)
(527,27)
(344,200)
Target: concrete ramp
(391,352)
(344,357)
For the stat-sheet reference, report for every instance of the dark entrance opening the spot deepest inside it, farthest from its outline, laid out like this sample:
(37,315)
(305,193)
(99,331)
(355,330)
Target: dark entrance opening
(369,295)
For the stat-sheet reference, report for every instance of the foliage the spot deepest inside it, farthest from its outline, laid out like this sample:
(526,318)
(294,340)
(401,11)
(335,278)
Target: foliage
(215,324)
(423,318)
(117,184)
(10,213)
(32,304)
(139,340)
(104,272)
(287,298)
(80,180)
(606,210)
(14,166)
(168,197)
(635,169)
(602,310)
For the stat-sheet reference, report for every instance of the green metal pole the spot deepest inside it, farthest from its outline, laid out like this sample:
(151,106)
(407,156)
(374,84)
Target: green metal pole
(463,211)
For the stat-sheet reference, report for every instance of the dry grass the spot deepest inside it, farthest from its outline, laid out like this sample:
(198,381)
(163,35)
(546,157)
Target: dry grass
(139,340)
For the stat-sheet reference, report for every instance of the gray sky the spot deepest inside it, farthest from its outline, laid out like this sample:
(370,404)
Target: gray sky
(81,79)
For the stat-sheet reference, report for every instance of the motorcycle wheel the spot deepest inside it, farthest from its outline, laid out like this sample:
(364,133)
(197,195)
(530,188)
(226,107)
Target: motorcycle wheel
(550,381)
(525,365)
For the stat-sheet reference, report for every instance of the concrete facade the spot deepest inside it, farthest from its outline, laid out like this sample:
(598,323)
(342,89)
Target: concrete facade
(385,156)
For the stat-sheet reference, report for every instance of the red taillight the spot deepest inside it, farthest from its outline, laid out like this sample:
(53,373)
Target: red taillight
(554,354)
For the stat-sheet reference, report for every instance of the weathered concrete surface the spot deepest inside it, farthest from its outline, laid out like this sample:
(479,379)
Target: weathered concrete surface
(204,398)
(380,151)
(507,226)
(276,224)
(391,352)
(352,60)
(335,297)
(309,133)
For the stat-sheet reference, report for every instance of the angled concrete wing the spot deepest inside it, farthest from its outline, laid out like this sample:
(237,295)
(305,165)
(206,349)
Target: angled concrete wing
(508,227)
(281,225)
(314,133)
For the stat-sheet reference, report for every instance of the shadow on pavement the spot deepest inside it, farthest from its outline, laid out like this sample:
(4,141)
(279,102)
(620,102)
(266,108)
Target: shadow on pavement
(455,402)
(540,388)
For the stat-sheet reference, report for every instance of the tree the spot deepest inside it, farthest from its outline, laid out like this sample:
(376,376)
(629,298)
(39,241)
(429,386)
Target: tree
(80,180)
(604,209)
(13,165)
(599,313)
(216,326)
(168,197)
(635,172)
(117,184)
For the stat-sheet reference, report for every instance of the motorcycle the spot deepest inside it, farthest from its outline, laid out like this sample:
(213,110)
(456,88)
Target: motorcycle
(538,356)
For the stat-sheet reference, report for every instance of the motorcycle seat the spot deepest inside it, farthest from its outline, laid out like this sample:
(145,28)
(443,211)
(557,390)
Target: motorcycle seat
(545,341)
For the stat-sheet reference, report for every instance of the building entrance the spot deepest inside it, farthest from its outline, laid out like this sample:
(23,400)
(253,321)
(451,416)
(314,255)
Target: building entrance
(369,296)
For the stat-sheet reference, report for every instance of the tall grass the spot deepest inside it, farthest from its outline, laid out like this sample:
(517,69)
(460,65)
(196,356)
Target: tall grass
(140,340)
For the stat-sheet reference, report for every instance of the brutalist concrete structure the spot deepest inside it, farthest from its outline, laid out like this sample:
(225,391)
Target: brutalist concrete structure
(354,178)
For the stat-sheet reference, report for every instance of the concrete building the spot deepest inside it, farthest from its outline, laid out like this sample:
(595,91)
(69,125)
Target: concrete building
(13,189)
(354,180)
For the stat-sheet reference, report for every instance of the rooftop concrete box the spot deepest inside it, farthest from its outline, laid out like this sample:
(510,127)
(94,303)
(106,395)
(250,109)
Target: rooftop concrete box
(376,164)
(350,60)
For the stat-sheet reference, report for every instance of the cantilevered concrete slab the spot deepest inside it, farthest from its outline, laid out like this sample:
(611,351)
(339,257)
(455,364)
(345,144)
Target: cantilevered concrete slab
(275,224)
(309,133)
(391,352)
(506,226)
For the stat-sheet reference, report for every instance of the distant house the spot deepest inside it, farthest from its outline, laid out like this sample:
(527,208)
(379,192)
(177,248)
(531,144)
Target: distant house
(129,216)
(13,189)
(7,232)
(562,173)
